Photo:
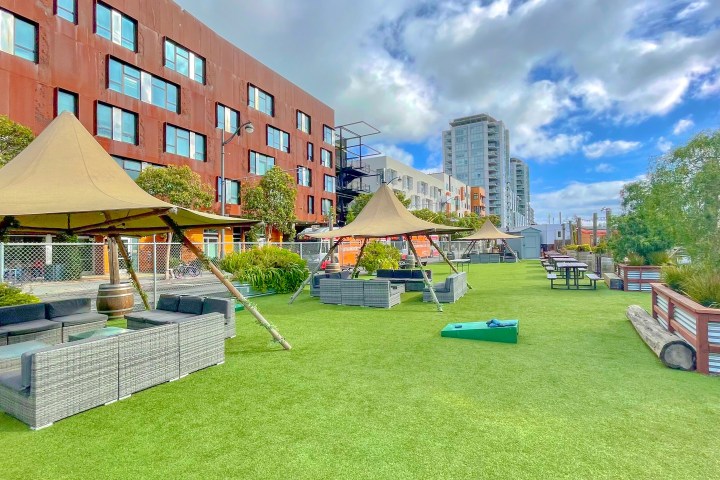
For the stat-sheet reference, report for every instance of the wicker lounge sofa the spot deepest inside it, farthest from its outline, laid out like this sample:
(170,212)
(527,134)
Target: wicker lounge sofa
(366,293)
(174,307)
(413,279)
(315,284)
(49,322)
(449,291)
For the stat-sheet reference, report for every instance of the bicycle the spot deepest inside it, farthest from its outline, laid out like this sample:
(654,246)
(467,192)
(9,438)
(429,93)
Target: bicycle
(185,270)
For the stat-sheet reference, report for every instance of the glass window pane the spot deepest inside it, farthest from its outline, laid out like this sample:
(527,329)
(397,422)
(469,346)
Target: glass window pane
(172,99)
(182,61)
(131,81)
(128,33)
(103,22)
(220,114)
(199,70)
(104,120)
(199,147)
(66,10)
(170,139)
(169,55)
(25,43)
(66,102)
(129,127)
(183,142)
(158,92)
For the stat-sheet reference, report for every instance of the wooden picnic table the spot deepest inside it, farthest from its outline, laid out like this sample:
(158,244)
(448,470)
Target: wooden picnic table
(574,269)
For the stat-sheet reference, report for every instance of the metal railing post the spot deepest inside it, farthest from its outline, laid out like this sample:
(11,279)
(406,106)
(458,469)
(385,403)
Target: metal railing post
(2,262)
(154,269)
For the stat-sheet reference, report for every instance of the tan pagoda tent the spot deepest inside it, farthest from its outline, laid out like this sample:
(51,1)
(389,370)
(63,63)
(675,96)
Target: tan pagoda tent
(65,182)
(385,216)
(489,231)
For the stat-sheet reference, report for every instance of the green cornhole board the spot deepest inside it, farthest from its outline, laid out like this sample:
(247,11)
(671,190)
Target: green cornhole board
(480,331)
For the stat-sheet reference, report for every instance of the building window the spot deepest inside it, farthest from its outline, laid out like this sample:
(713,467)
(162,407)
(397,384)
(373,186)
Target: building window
(135,83)
(326,206)
(116,123)
(18,37)
(278,139)
(304,176)
(259,163)
(328,135)
(184,61)
(311,204)
(261,100)
(303,122)
(329,184)
(115,26)
(227,118)
(184,143)
(310,151)
(133,167)
(66,102)
(232,191)
(66,9)
(325,158)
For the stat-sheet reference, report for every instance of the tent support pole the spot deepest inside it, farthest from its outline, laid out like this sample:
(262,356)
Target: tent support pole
(208,264)
(447,260)
(312,274)
(113,263)
(136,282)
(428,283)
(357,263)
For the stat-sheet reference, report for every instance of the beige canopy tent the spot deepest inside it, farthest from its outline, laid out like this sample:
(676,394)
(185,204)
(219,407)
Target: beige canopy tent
(384,216)
(489,231)
(64,182)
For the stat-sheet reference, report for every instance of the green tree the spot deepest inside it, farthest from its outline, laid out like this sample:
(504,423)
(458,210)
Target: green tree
(272,200)
(13,139)
(177,185)
(471,220)
(430,216)
(361,200)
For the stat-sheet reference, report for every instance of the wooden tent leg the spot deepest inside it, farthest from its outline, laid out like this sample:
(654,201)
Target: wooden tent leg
(113,263)
(428,283)
(136,282)
(357,262)
(447,260)
(208,264)
(312,274)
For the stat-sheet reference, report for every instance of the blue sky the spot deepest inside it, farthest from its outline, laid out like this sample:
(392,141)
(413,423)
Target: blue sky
(591,90)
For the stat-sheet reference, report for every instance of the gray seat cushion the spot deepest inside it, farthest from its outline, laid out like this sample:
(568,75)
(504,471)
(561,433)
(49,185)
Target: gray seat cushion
(190,304)
(167,302)
(156,317)
(80,318)
(12,380)
(219,305)
(22,313)
(62,308)
(30,327)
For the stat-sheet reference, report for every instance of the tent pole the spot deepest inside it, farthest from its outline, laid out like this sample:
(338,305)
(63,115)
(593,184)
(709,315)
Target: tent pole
(312,274)
(432,242)
(208,264)
(136,282)
(113,263)
(428,283)
(357,263)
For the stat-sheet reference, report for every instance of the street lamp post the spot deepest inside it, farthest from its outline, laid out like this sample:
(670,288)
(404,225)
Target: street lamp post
(249,128)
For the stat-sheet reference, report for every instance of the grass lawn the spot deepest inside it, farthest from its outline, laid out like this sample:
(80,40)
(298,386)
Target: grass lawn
(369,394)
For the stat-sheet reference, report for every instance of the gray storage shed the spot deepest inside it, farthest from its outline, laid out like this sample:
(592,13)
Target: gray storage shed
(528,246)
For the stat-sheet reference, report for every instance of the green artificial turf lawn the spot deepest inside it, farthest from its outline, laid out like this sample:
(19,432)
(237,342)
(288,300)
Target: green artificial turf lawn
(371,393)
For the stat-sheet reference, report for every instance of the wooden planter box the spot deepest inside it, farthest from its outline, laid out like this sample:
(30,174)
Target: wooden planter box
(638,279)
(587,257)
(698,325)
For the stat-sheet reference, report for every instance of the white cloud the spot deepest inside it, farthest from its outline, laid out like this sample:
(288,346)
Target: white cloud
(682,125)
(664,145)
(604,168)
(709,86)
(395,152)
(690,9)
(581,199)
(608,148)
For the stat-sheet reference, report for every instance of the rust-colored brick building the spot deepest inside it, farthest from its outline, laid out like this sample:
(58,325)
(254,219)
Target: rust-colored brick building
(477,201)
(158,87)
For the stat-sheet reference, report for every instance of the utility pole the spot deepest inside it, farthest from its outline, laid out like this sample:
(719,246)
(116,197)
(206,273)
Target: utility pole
(595,229)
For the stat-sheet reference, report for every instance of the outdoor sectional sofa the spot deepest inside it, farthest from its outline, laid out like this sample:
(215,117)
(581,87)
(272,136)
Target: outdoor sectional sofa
(58,381)
(449,291)
(365,293)
(413,279)
(174,307)
(315,284)
(49,322)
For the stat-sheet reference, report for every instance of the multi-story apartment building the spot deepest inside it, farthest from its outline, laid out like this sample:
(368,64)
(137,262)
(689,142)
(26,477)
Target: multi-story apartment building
(520,183)
(477,201)
(157,87)
(437,192)
(476,151)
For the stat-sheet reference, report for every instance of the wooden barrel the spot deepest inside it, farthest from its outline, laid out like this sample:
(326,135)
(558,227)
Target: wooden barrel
(332,268)
(115,300)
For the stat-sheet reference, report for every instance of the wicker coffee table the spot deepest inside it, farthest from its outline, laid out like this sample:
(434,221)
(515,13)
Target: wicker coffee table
(99,333)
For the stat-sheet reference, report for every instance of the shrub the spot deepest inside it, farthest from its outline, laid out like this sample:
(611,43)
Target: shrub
(571,247)
(266,268)
(658,258)
(703,286)
(585,247)
(10,295)
(601,247)
(635,260)
(379,255)
(676,275)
